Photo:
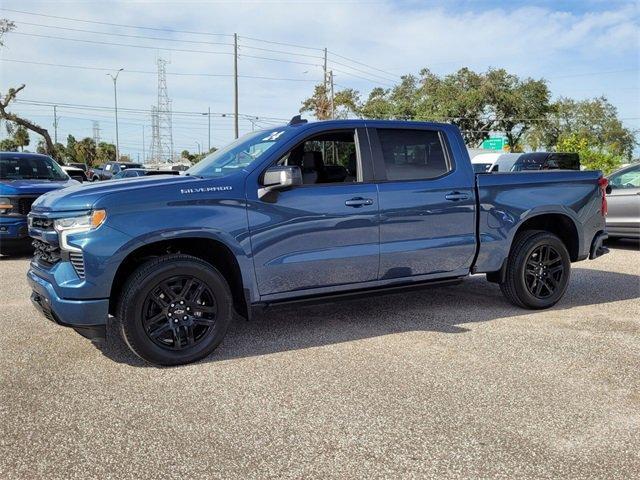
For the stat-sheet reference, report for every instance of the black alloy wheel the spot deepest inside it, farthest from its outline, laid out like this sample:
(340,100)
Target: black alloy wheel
(543,271)
(179,312)
(537,270)
(174,309)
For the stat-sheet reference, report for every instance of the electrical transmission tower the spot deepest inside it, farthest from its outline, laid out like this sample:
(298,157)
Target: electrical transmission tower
(165,129)
(96,132)
(154,155)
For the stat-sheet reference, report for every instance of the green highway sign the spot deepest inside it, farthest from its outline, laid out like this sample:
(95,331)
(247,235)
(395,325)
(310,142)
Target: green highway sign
(494,143)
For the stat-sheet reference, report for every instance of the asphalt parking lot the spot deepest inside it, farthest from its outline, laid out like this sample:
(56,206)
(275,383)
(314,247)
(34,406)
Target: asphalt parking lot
(444,382)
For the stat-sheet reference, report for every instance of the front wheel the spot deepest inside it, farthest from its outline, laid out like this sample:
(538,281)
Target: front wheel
(538,270)
(175,309)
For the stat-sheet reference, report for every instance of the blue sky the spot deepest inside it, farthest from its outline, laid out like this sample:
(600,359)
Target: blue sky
(583,48)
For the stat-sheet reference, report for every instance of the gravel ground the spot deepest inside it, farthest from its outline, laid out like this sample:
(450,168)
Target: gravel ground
(438,383)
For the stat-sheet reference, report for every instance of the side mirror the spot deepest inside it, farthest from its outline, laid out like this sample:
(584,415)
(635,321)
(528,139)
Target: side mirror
(609,189)
(280,178)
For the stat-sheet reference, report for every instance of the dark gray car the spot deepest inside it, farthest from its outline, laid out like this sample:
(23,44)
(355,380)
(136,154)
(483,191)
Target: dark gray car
(623,219)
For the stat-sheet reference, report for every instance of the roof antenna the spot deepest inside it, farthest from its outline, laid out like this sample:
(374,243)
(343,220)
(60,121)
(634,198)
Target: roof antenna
(297,120)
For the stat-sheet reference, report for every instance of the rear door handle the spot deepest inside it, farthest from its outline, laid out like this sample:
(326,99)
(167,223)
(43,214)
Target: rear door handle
(455,196)
(358,202)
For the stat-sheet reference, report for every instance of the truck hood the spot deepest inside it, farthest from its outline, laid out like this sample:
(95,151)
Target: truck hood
(32,187)
(85,195)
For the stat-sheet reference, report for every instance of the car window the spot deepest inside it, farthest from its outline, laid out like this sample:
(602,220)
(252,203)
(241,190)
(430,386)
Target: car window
(30,167)
(413,154)
(627,179)
(330,157)
(107,167)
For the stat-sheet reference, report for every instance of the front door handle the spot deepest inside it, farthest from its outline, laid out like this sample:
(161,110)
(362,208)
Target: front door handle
(358,202)
(456,196)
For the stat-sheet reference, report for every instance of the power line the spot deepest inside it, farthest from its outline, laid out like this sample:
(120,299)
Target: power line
(93,32)
(149,72)
(282,43)
(94,22)
(98,42)
(363,64)
(140,110)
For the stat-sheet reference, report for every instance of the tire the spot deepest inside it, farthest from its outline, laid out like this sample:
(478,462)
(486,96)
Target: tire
(158,327)
(538,270)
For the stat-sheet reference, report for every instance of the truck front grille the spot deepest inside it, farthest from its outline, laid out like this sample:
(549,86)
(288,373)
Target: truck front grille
(77,260)
(24,205)
(45,254)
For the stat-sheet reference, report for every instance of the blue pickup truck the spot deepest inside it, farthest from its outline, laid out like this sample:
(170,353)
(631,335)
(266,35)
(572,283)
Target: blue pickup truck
(23,178)
(298,212)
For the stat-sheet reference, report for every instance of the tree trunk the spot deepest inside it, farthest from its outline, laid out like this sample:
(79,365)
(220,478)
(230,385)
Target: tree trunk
(12,117)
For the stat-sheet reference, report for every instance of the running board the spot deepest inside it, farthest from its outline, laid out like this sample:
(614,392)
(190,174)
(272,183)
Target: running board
(355,294)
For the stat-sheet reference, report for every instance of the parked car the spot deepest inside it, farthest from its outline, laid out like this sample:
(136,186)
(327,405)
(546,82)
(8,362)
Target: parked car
(109,169)
(298,212)
(547,161)
(623,219)
(141,172)
(494,162)
(75,173)
(24,177)
(81,166)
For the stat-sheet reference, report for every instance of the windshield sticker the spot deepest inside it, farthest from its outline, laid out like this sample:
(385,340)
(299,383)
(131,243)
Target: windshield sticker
(273,136)
(185,191)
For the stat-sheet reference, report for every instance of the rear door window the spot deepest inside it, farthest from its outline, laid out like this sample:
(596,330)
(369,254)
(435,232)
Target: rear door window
(413,154)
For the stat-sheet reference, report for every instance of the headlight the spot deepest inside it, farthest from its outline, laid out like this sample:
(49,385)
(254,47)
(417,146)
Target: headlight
(5,205)
(84,223)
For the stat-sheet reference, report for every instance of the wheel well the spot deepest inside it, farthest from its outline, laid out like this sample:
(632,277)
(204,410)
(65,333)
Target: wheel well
(211,251)
(556,223)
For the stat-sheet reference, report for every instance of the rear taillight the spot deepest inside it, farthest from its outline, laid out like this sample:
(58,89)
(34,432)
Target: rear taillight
(602,183)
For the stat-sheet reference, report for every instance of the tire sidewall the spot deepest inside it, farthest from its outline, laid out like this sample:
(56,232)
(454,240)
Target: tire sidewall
(520,265)
(132,324)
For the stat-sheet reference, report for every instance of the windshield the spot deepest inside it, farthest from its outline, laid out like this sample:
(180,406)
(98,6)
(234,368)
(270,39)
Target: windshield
(237,155)
(29,167)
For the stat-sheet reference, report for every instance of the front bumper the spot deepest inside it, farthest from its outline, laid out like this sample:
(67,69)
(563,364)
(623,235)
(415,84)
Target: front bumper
(13,228)
(87,317)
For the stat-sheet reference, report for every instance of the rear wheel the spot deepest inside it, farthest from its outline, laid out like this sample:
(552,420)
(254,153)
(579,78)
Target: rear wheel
(175,309)
(538,270)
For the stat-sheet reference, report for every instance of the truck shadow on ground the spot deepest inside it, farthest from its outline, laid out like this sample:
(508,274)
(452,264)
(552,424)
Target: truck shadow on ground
(438,309)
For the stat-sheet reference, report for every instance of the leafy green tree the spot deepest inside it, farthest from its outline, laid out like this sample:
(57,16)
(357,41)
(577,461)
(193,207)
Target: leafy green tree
(517,105)
(345,103)
(8,145)
(594,120)
(85,151)
(105,152)
(460,98)
(21,137)
(591,156)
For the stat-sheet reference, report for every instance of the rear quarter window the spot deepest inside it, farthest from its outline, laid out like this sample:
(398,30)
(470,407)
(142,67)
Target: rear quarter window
(413,154)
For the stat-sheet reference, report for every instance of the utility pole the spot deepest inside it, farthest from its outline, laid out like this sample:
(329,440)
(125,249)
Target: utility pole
(55,125)
(235,82)
(333,111)
(144,157)
(115,99)
(209,117)
(325,69)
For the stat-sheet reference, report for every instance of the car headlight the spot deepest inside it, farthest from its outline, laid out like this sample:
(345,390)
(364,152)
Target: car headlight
(83,223)
(5,205)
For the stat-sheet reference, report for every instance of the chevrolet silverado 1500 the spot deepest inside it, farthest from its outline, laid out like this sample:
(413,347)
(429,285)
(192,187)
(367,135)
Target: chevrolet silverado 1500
(298,212)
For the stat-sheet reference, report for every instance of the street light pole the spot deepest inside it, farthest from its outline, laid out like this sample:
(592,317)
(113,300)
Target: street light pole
(115,99)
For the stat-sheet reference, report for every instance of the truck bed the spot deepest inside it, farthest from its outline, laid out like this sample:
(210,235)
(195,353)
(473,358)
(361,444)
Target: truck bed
(504,199)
